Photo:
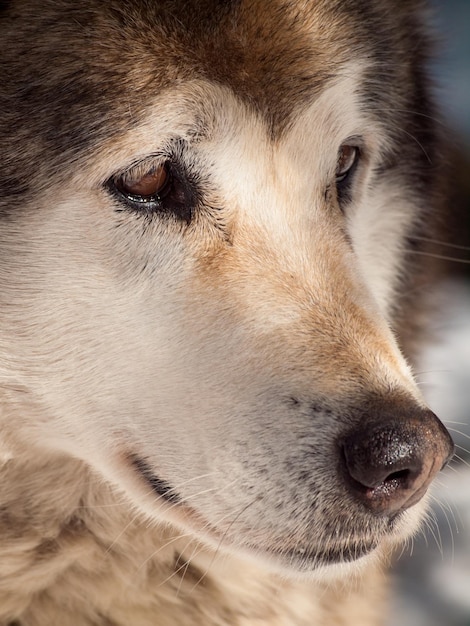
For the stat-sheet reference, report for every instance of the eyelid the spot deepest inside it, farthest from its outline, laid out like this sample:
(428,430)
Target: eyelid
(346,182)
(153,181)
(343,170)
(139,168)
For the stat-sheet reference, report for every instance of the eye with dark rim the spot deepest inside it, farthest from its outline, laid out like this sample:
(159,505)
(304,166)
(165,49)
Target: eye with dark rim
(154,188)
(346,164)
(151,186)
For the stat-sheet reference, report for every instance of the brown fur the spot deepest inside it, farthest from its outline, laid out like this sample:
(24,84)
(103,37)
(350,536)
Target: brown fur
(283,337)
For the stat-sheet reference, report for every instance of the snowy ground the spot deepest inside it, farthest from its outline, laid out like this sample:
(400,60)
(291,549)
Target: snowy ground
(433,584)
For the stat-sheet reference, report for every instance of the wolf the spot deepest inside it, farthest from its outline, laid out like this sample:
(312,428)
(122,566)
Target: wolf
(214,220)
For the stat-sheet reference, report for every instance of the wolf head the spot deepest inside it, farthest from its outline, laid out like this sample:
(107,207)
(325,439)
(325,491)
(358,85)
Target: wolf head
(207,213)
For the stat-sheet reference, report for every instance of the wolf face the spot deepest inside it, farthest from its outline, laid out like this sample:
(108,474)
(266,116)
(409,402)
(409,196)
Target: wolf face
(204,236)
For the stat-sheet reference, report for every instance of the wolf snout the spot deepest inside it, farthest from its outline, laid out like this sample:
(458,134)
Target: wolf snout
(390,465)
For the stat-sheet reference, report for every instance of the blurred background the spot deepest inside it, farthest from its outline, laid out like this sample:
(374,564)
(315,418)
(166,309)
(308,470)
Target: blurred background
(432,577)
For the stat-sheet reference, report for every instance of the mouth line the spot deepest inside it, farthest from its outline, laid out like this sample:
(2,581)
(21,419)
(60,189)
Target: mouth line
(311,559)
(162,488)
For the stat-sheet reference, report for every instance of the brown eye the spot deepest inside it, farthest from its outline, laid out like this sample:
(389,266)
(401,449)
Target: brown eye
(149,186)
(347,159)
(163,189)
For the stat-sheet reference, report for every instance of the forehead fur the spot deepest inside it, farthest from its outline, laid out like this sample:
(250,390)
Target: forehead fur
(83,72)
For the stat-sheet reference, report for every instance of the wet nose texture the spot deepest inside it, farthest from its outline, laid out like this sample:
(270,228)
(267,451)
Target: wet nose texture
(389,463)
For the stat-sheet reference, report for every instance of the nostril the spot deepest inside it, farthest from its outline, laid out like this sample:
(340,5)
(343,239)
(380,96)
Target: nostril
(382,485)
(402,476)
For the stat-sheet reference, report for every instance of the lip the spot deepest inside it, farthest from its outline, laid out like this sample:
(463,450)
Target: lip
(309,559)
(162,488)
(177,511)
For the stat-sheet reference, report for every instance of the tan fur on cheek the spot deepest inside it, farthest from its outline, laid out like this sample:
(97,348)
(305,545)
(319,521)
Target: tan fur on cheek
(307,303)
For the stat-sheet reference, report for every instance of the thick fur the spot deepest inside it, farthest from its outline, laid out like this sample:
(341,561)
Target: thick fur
(174,383)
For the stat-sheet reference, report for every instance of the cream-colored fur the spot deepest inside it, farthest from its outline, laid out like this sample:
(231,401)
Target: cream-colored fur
(74,554)
(75,551)
(177,384)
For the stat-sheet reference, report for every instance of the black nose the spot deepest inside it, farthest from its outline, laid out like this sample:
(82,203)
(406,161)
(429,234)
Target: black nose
(390,462)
